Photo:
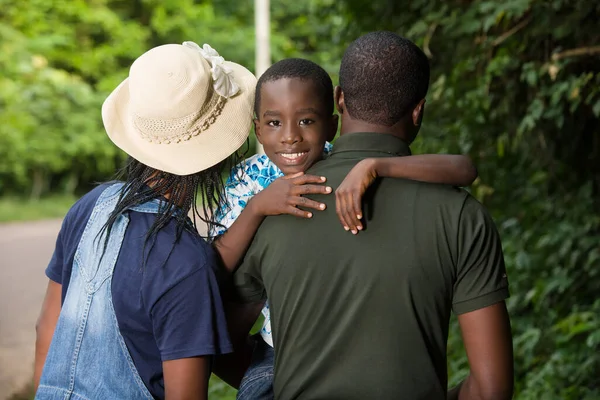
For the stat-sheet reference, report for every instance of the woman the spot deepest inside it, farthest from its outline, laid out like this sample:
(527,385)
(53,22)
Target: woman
(132,309)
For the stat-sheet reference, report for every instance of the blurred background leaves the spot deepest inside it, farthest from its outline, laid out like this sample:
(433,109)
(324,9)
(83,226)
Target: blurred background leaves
(515,85)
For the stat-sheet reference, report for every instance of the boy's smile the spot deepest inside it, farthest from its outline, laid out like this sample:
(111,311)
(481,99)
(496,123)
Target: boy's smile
(293,125)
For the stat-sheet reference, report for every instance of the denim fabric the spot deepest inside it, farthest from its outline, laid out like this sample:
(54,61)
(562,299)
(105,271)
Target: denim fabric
(257,383)
(88,358)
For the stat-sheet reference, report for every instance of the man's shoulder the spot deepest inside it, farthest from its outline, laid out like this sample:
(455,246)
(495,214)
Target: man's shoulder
(438,190)
(434,194)
(453,204)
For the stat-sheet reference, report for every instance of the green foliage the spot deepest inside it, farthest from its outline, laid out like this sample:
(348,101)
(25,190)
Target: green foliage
(220,390)
(515,84)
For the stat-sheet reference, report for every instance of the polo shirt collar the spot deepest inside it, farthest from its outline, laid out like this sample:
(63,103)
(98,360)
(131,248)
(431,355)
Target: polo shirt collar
(369,144)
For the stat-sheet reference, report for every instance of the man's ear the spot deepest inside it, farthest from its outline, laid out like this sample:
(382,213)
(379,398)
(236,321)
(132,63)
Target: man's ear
(417,114)
(333,128)
(257,130)
(338,98)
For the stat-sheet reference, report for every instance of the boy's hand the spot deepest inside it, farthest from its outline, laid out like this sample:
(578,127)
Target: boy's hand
(349,194)
(284,196)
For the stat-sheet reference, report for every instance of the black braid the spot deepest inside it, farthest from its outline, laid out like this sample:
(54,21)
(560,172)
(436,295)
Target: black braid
(179,195)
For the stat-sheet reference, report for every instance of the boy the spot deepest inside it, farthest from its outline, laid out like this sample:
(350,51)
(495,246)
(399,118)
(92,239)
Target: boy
(294,122)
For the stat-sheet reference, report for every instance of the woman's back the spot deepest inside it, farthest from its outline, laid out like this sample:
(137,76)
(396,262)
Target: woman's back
(163,306)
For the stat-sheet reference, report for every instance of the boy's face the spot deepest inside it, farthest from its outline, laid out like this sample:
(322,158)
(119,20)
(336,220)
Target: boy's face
(292,124)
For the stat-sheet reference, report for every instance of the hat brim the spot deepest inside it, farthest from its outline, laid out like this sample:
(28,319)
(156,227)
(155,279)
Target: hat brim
(221,139)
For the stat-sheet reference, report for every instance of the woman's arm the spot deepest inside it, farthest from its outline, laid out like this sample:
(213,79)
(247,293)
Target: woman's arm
(45,326)
(186,378)
(449,169)
(283,196)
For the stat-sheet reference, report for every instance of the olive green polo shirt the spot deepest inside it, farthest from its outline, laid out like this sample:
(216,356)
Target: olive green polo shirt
(366,316)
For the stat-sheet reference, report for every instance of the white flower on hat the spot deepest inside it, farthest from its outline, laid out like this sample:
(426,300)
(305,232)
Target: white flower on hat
(223,81)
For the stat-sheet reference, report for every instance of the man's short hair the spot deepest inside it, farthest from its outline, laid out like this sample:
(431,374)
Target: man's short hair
(383,77)
(298,68)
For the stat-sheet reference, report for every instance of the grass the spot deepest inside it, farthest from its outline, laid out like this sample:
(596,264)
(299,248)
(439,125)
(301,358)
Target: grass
(18,209)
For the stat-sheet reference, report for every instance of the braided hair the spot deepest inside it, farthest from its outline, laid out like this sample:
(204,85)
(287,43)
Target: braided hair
(178,195)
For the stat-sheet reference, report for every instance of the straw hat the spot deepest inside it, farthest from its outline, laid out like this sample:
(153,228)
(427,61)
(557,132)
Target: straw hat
(182,109)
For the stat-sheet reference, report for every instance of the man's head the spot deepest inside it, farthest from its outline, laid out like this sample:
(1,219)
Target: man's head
(294,113)
(383,82)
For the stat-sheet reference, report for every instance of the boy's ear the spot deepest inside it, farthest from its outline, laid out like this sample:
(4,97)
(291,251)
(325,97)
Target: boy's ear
(338,98)
(257,130)
(333,128)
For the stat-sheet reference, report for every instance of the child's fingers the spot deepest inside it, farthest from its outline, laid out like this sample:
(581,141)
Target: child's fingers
(350,215)
(339,209)
(356,201)
(304,179)
(347,211)
(298,212)
(311,189)
(306,202)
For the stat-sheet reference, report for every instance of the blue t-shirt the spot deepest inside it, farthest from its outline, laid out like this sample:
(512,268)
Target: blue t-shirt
(165,311)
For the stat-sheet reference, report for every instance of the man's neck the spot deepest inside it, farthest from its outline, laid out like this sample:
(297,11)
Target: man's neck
(350,125)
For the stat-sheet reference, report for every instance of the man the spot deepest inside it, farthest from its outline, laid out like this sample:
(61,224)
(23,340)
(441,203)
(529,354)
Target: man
(366,316)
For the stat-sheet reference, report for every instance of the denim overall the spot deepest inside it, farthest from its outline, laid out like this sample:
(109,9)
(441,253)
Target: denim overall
(88,359)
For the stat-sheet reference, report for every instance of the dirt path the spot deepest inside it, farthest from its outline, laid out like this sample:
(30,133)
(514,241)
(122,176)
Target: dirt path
(25,249)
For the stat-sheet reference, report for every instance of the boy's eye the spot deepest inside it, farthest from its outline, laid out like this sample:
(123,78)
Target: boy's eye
(274,123)
(306,121)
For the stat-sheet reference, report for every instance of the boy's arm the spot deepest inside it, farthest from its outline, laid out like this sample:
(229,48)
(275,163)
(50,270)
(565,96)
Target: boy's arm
(455,170)
(451,169)
(234,242)
(45,326)
(283,196)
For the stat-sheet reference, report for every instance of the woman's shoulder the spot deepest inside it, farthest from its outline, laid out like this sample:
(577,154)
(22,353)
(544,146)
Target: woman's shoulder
(168,264)
(81,210)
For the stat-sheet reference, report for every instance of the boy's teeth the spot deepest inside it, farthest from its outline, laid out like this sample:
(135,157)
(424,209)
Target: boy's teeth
(292,155)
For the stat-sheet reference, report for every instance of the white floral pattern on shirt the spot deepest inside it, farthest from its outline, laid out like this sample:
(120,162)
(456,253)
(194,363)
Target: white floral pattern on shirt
(247,179)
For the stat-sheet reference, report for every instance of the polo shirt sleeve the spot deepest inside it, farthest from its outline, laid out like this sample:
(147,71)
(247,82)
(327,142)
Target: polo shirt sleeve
(188,320)
(481,275)
(247,279)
